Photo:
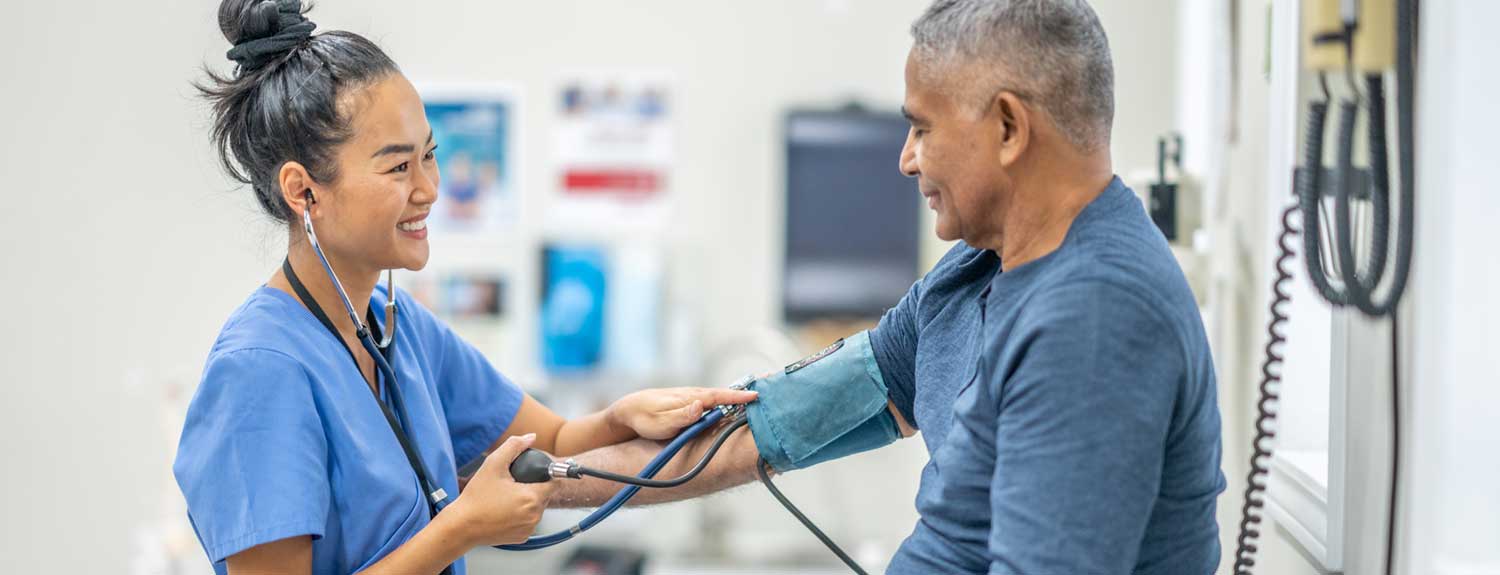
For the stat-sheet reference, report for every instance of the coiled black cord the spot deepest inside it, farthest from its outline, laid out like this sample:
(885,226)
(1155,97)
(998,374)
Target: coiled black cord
(1309,197)
(1359,283)
(1270,392)
(1359,288)
(1357,278)
(760,470)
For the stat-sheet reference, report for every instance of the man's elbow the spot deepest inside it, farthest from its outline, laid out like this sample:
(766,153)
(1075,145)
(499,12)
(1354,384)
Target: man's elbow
(905,428)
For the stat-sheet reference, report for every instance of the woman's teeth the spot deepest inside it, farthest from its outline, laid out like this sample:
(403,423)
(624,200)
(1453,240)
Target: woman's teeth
(416,226)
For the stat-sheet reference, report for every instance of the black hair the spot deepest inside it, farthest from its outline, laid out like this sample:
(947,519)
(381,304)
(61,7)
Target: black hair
(282,102)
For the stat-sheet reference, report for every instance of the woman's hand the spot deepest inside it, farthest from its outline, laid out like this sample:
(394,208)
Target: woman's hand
(495,510)
(661,413)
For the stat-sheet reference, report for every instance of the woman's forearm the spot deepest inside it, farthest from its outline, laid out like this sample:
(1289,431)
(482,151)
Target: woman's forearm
(562,437)
(651,414)
(590,432)
(436,546)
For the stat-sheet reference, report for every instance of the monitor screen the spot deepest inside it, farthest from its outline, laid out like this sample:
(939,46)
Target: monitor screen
(852,218)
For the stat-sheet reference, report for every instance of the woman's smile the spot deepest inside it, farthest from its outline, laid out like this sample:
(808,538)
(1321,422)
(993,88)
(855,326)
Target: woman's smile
(414,228)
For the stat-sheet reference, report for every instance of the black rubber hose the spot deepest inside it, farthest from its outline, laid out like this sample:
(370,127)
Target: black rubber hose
(1390,526)
(1360,282)
(760,470)
(1360,290)
(1406,32)
(1406,152)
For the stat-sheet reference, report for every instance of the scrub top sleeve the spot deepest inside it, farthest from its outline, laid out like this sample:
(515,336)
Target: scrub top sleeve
(479,402)
(253,458)
(894,342)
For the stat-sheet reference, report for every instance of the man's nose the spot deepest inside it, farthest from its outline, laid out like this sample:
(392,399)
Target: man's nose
(908,161)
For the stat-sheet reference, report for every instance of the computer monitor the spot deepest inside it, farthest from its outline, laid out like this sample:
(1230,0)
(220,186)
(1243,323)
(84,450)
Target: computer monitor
(852,218)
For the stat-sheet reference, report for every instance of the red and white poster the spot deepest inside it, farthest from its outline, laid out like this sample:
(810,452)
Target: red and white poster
(614,144)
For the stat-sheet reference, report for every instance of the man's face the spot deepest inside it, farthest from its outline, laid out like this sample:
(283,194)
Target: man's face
(953,149)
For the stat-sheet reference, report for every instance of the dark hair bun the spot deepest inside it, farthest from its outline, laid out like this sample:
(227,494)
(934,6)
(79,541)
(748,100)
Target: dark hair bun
(282,104)
(263,30)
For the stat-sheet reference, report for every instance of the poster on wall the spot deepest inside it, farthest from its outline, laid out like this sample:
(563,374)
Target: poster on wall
(614,144)
(460,296)
(475,130)
(574,284)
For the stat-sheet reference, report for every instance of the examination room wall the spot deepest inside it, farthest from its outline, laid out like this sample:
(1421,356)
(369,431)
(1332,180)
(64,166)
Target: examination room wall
(128,247)
(1448,372)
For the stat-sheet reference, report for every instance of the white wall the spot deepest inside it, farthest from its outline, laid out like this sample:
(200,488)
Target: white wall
(1453,377)
(128,247)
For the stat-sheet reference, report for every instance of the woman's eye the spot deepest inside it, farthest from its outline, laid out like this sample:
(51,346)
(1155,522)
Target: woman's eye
(401,169)
(431,155)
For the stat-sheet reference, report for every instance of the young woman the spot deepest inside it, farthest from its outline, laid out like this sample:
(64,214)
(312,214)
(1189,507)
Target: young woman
(301,452)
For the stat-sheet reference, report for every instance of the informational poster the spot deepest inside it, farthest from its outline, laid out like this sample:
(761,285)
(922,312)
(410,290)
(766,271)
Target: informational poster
(614,143)
(475,132)
(460,296)
(575,281)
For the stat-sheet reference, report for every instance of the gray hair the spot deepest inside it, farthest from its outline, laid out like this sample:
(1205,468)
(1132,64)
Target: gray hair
(1051,52)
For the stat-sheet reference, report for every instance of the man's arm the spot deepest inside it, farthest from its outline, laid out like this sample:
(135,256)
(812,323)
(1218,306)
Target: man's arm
(1081,434)
(734,465)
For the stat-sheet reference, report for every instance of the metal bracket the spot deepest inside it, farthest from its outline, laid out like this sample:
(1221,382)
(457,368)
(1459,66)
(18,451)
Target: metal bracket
(1329,183)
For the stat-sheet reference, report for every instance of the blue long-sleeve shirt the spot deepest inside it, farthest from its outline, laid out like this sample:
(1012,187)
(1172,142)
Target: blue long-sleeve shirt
(1068,405)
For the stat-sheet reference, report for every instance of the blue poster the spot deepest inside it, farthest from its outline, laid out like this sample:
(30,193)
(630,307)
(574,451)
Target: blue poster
(572,315)
(475,160)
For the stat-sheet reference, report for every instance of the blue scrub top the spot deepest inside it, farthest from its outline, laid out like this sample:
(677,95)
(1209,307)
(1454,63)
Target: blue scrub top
(284,438)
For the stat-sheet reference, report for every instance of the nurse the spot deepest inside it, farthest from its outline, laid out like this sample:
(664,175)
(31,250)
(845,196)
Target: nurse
(292,459)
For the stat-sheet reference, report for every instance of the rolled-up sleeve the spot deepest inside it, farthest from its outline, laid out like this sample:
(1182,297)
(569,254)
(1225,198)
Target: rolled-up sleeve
(894,343)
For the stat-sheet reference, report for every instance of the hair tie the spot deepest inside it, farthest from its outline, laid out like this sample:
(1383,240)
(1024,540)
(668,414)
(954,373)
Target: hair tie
(287,30)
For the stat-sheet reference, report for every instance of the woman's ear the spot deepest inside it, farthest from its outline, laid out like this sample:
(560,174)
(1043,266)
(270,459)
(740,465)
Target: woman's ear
(296,188)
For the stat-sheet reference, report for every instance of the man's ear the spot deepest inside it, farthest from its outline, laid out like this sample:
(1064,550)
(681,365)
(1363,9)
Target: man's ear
(296,187)
(1015,126)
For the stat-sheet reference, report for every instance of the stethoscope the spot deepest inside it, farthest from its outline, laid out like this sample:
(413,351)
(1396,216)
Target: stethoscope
(532,466)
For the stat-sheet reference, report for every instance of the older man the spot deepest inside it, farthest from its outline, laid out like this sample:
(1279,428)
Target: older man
(1054,359)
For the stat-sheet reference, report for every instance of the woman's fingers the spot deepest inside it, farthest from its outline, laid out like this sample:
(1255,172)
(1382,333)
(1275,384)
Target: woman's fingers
(733,396)
(508,451)
(718,396)
(691,412)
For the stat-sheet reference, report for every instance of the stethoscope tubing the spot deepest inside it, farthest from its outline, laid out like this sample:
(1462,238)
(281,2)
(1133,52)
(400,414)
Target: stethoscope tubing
(441,499)
(626,493)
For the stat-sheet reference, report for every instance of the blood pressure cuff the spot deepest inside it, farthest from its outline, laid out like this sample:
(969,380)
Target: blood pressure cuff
(826,406)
